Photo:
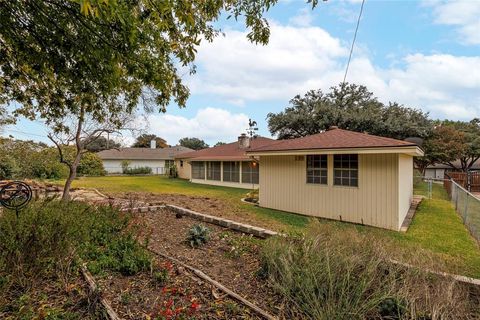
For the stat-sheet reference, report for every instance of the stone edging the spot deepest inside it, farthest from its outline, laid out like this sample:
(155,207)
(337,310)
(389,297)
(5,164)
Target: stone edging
(242,227)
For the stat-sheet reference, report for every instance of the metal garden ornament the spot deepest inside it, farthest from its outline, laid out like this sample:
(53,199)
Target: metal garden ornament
(15,195)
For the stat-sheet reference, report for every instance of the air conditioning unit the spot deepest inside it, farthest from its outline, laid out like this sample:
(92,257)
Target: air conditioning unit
(299,158)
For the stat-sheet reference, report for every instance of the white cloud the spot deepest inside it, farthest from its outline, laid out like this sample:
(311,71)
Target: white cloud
(238,70)
(304,18)
(464,15)
(209,124)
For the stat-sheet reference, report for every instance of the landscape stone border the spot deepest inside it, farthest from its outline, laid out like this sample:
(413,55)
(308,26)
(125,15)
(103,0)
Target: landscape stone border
(226,223)
(230,224)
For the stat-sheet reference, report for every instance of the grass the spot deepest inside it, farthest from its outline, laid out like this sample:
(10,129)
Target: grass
(436,227)
(161,184)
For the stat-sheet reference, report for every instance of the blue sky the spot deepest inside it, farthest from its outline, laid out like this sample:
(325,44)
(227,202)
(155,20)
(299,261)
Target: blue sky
(423,54)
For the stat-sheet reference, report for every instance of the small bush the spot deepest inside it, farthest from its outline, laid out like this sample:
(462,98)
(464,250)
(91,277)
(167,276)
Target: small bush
(198,235)
(138,170)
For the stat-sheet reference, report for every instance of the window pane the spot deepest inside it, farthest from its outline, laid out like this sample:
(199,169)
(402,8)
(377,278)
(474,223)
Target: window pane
(345,170)
(198,170)
(316,171)
(213,170)
(231,171)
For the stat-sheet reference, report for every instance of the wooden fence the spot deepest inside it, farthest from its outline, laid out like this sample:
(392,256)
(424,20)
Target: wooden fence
(470,181)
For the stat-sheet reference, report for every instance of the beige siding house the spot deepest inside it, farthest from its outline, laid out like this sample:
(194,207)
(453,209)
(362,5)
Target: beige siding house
(340,175)
(226,165)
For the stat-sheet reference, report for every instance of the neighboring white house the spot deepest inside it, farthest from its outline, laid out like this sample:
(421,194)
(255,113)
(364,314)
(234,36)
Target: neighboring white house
(157,159)
(437,171)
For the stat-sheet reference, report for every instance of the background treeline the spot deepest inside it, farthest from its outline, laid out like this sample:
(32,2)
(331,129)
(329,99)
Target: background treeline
(354,107)
(28,159)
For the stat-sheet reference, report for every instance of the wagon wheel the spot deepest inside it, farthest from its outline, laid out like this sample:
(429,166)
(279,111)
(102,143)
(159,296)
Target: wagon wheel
(15,195)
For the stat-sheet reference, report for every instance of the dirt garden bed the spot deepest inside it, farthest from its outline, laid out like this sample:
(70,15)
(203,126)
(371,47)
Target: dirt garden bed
(229,257)
(168,292)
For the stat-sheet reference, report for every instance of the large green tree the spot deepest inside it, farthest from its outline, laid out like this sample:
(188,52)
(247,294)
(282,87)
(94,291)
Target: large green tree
(73,61)
(102,143)
(193,143)
(351,107)
(455,140)
(144,140)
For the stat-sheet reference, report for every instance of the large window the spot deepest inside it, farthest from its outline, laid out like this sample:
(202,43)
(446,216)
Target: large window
(317,169)
(345,170)
(231,171)
(250,172)
(214,170)
(198,170)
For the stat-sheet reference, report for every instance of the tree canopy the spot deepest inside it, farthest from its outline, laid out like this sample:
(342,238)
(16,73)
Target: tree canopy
(101,143)
(219,143)
(143,141)
(87,60)
(193,143)
(348,106)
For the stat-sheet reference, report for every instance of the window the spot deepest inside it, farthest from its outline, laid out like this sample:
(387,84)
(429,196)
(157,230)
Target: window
(198,170)
(213,170)
(345,170)
(231,171)
(181,163)
(317,169)
(250,172)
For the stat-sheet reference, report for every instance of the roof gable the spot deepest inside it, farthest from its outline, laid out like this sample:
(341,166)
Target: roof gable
(229,151)
(334,139)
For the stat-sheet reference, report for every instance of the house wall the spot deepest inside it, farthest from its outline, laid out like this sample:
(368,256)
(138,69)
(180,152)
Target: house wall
(115,166)
(185,171)
(405,186)
(434,173)
(374,202)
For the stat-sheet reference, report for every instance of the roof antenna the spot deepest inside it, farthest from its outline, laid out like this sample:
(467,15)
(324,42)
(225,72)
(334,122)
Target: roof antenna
(353,42)
(252,127)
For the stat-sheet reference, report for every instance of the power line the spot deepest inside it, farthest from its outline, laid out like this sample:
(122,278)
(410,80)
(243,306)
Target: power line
(25,133)
(353,42)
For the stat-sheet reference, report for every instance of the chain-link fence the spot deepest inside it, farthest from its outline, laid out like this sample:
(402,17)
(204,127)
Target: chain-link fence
(467,205)
(119,170)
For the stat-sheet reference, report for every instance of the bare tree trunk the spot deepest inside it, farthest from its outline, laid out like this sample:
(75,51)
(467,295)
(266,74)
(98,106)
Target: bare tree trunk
(72,174)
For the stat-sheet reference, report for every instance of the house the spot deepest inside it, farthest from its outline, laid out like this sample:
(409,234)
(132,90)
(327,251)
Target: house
(437,171)
(224,165)
(159,159)
(339,174)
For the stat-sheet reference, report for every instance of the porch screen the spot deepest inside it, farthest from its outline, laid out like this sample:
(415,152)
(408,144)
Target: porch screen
(250,172)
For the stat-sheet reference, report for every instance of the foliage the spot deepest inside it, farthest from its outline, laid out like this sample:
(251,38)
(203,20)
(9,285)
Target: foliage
(101,143)
(74,62)
(198,235)
(125,165)
(351,107)
(193,143)
(220,143)
(50,235)
(143,141)
(172,171)
(137,170)
(8,167)
(329,274)
(91,165)
(455,140)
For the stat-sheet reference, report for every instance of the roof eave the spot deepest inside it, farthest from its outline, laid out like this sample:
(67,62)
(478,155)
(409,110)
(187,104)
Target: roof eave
(410,150)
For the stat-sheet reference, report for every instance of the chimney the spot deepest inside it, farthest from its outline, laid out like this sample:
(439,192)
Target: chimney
(243,141)
(153,144)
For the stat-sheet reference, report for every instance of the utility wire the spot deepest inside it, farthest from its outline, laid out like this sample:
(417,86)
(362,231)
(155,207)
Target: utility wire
(353,42)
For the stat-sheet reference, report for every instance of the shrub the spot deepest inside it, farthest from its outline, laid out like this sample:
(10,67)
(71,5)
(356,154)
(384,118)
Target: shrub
(198,235)
(138,170)
(91,165)
(342,274)
(48,237)
(8,167)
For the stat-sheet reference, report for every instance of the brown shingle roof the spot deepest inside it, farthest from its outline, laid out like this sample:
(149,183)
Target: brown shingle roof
(334,139)
(143,153)
(229,152)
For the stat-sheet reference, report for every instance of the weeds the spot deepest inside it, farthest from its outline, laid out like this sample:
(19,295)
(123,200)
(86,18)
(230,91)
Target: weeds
(329,274)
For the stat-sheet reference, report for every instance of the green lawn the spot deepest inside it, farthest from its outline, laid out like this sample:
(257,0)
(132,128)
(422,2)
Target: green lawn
(436,226)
